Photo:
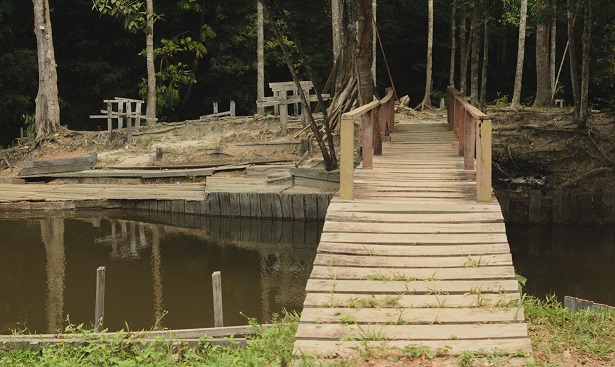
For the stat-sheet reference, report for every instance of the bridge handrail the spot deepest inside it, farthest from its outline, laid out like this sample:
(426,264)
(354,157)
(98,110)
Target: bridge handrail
(473,131)
(377,120)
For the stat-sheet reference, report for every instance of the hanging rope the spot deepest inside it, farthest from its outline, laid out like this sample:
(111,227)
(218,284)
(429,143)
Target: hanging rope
(384,56)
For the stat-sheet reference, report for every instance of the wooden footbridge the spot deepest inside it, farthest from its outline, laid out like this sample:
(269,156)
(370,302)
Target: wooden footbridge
(414,252)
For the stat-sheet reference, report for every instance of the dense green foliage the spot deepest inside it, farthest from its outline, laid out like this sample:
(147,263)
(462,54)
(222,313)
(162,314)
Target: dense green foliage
(98,59)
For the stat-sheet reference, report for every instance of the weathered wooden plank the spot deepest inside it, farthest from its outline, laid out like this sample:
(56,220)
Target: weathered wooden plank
(88,160)
(287,206)
(410,315)
(235,204)
(360,300)
(214,204)
(413,332)
(298,206)
(414,287)
(326,348)
(402,228)
(414,238)
(276,206)
(255,205)
(266,203)
(244,202)
(535,206)
(311,206)
(428,217)
(494,253)
(397,206)
(359,271)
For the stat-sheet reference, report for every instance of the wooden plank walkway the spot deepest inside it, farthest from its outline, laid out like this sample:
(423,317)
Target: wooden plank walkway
(414,259)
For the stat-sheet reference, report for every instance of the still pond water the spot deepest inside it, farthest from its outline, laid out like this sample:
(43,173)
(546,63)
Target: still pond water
(155,265)
(162,263)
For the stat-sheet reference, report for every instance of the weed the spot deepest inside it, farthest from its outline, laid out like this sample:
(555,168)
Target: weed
(356,302)
(466,359)
(436,291)
(348,319)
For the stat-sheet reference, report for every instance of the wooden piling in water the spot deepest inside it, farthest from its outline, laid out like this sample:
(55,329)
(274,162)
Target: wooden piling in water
(216,281)
(99,311)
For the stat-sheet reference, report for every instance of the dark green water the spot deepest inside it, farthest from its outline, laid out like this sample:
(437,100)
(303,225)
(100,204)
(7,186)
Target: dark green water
(574,261)
(156,264)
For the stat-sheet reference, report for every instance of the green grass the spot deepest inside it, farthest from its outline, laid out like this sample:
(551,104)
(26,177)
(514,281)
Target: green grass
(271,347)
(554,329)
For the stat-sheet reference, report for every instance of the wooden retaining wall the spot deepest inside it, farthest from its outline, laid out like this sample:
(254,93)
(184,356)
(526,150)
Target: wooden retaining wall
(223,204)
(557,208)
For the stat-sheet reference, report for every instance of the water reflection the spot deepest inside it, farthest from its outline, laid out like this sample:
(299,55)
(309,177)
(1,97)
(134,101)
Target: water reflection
(153,266)
(568,261)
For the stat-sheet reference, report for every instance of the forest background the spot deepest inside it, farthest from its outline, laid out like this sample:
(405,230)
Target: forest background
(206,51)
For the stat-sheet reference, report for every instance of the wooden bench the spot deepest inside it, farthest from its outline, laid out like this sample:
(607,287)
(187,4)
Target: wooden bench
(281,99)
(230,112)
(122,109)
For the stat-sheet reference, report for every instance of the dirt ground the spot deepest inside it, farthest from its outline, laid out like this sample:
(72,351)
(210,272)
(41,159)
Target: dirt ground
(532,148)
(542,149)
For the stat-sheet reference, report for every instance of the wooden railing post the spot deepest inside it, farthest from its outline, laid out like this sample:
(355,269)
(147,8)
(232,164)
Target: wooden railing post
(347,158)
(378,131)
(450,108)
(367,140)
(483,161)
(470,141)
(391,109)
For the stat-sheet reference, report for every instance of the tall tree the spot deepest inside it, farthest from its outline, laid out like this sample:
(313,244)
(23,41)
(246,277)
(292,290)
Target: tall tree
(47,106)
(463,50)
(553,51)
(520,56)
(587,34)
(484,74)
(354,83)
(543,50)
(451,74)
(137,18)
(572,57)
(474,67)
(149,56)
(429,68)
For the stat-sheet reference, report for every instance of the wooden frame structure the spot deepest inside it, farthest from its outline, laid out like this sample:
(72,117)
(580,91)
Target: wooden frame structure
(473,131)
(376,120)
(120,109)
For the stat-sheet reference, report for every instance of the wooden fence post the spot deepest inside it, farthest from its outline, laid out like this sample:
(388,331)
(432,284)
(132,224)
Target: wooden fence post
(367,139)
(283,113)
(378,131)
(215,107)
(483,161)
(232,108)
(347,159)
(470,142)
(109,120)
(216,281)
(129,122)
(99,310)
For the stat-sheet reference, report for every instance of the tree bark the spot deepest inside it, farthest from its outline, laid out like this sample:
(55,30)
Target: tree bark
(260,57)
(520,56)
(463,43)
(47,115)
(151,70)
(475,53)
(336,25)
(587,21)
(543,72)
(429,69)
(553,51)
(484,75)
(353,85)
(374,40)
(451,74)
(574,76)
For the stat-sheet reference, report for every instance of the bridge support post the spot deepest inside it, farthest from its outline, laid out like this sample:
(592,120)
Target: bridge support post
(470,142)
(483,161)
(347,159)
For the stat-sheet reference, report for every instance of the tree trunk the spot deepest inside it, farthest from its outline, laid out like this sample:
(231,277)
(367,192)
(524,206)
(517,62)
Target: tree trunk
(353,85)
(47,115)
(429,69)
(520,56)
(374,40)
(475,53)
(543,72)
(587,21)
(336,26)
(463,43)
(151,70)
(260,57)
(574,76)
(483,83)
(553,52)
(451,74)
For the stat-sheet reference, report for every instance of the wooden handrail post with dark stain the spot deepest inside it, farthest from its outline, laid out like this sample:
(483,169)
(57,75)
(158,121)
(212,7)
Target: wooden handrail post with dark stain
(99,308)
(371,118)
(473,130)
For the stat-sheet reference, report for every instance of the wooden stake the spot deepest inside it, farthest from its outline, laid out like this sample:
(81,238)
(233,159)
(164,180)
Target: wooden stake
(99,311)
(216,281)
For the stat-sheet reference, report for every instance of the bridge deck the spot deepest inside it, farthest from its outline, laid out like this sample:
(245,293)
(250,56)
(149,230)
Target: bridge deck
(413,260)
